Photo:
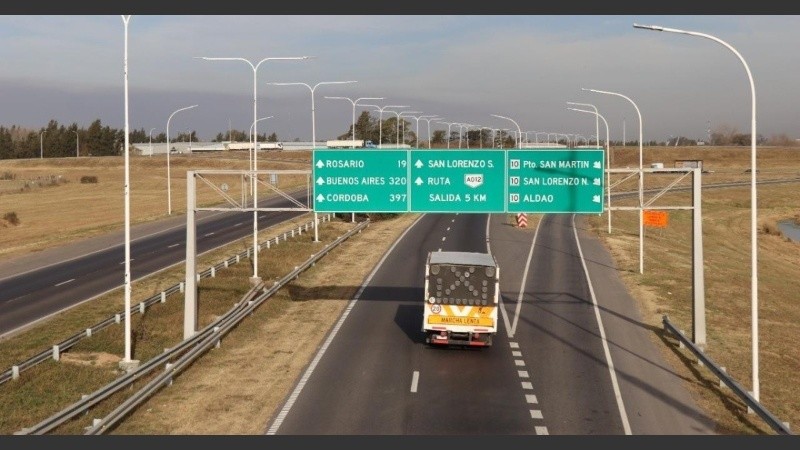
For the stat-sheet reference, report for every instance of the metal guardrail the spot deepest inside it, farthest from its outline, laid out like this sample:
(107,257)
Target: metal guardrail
(14,371)
(189,350)
(752,403)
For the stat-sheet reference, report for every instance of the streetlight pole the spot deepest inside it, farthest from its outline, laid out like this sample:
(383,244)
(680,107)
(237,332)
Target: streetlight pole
(380,119)
(416,118)
(127,361)
(519,130)
(753,196)
(313,128)
(354,102)
(449,124)
(169,189)
(151,141)
(399,116)
(428,120)
(608,163)
(596,119)
(641,176)
(41,144)
(255,279)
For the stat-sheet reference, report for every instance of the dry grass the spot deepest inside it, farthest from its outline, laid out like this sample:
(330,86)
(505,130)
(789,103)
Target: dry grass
(259,361)
(89,365)
(665,287)
(52,214)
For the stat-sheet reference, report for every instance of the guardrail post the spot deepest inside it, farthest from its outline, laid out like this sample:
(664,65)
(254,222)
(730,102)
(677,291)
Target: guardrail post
(182,286)
(213,272)
(225,262)
(117,318)
(198,277)
(14,372)
(680,342)
(141,308)
(88,332)
(284,236)
(237,257)
(292,232)
(219,341)
(163,297)
(267,244)
(56,353)
(300,230)
(722,384)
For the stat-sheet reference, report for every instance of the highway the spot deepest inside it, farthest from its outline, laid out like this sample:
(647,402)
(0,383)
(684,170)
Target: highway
(559,364)
(37,293)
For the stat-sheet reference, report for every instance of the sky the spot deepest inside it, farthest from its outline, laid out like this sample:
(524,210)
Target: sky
(462,68)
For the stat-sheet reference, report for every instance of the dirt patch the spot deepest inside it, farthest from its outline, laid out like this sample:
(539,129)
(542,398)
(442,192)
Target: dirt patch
(95,359)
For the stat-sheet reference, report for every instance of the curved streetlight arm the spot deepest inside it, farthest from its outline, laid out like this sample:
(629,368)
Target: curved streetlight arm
(519,130)
(753,195)
(597,119)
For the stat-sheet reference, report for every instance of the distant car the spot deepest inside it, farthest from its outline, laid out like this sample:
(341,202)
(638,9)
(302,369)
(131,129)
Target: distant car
(369,144)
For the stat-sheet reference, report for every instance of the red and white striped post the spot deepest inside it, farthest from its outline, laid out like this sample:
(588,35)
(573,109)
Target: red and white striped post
(522,220)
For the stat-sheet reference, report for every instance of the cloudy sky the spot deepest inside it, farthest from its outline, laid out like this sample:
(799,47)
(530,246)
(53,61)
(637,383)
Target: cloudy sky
(462,68)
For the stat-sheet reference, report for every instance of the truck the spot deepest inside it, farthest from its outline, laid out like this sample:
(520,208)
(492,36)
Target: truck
(358,143)
(462,294)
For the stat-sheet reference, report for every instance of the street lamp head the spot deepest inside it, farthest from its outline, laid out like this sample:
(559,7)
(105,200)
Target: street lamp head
(648,27)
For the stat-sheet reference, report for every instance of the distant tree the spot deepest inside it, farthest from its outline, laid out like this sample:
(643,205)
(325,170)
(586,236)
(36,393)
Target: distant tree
(272,137)
(438,137)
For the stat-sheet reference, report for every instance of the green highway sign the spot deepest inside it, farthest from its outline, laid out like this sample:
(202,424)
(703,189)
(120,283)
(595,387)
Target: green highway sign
(555,181)
(360,180)
(457,181)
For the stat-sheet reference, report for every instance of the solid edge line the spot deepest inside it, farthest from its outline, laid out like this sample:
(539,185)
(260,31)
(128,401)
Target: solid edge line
(623,415)
(273,429)
(525,279)
(414,381)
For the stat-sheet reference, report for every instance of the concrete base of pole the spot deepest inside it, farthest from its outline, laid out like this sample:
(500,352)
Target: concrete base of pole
(129,366)
(254,281)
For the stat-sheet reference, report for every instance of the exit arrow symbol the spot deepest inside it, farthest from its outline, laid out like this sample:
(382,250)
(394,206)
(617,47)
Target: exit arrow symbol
(418,181)
(320,181)
(418,164)
(320,164)
(320,198)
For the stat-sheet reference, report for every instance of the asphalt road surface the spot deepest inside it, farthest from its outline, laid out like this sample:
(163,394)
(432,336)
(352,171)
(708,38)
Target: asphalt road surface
(571,357)
(41,285)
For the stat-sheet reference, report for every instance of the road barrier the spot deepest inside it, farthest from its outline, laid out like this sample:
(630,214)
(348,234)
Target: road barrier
(14,371)
(186,352)
(752,403)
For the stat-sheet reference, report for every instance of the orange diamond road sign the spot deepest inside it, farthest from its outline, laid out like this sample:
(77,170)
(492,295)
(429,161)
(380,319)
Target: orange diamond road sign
(656,219)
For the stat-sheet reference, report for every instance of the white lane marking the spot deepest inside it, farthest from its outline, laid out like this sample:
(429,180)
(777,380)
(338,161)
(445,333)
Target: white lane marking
(440,249)
(310,370)
(531,399)
(262,217)
(123,262)
(208,234)
(623,414)
(237,224)
(414,381)
(443,238)
(541,431)
(523,374)
(174,245)
(452,220)
(516,353)
(525,279)
(536,414)
(519,362)
(65,282)
(448,228)
(513,344)
(527,385)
